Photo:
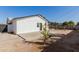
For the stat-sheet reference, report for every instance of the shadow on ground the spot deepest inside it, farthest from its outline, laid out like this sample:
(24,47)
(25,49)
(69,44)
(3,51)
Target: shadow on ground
(67,43)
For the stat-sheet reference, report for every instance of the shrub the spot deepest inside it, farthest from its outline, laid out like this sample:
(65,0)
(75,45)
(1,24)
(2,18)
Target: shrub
(45,34)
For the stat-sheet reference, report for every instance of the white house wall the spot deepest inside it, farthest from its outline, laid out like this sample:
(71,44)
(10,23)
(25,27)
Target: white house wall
(12,27)
(29,24)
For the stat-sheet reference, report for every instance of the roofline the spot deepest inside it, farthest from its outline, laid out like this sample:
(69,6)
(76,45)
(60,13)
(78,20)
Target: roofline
(43,17)
(31,16)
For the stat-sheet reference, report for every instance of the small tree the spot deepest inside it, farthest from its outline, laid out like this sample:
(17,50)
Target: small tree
(65,24)
(45,33)
(71,24)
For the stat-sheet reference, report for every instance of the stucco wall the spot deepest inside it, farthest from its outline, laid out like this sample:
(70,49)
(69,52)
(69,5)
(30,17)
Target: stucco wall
(12,27)
(29,24)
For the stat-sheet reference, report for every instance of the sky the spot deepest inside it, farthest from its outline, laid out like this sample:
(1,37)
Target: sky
(52,13)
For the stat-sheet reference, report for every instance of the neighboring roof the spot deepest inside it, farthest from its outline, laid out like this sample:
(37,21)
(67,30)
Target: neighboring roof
(19,18)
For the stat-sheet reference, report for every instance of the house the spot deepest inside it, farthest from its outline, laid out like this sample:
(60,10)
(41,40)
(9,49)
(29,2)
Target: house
(26,24)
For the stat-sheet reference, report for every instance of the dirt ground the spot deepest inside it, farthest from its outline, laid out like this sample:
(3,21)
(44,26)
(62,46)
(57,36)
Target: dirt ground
(63,40)
(13,43)
(69,42)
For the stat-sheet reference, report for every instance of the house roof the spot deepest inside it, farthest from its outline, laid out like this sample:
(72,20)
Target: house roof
(20,18)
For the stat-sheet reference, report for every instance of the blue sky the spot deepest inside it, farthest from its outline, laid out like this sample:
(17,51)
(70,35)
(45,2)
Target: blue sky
(52,13)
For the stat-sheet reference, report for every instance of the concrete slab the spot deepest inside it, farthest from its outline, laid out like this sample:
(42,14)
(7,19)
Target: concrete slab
(34,36)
